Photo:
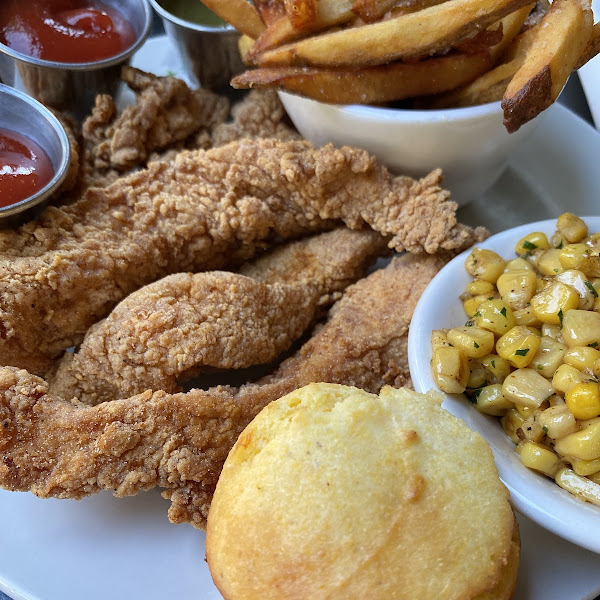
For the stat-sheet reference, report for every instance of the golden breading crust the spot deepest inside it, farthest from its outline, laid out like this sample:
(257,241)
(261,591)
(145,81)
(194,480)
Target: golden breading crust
(207,209)
(332,493)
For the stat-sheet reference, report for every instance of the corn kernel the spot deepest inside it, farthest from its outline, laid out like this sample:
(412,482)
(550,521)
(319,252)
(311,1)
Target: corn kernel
(571,227)
(497,367)
(582,487)
(518,346)
(585,467)
(565,378)
(517,287)
(574,256)
(526,387)
(538,457)
(549,356)
(581,328)
(480,288)
(549,263)
(557,421)
(582,358)
(472,304)
(584,444)
(450,370)
(495,316)
(579,282)
(485,264)
(491,401)
(518,264)
(531,430)
(511,422)
(552,331)
(526,316)
(532,241)
(477,374)
(583,400)
(439,338)
(473,341)
(593,241)
(551,304)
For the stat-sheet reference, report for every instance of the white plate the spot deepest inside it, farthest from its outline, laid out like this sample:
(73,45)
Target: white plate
(103,547)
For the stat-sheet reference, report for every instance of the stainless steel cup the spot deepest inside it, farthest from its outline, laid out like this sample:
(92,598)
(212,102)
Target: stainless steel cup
(210,55)
(72,87)
(22,114)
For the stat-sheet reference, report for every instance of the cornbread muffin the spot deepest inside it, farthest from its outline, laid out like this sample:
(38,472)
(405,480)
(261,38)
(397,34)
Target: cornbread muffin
(335,493)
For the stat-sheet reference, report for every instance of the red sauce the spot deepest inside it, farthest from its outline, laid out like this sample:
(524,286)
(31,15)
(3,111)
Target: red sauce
(71,31)
(24,168)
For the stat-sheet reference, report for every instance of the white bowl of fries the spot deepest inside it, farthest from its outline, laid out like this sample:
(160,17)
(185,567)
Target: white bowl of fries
(532,494)
(456,58)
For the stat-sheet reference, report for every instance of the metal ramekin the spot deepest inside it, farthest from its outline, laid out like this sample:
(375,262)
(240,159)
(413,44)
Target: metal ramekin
(210,55)
(72,87)
(24,115)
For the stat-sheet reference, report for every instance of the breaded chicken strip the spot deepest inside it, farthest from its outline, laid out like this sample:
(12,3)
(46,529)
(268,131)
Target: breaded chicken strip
(259,115)
(170,329)
(53,447)
(207,209)
(166,111)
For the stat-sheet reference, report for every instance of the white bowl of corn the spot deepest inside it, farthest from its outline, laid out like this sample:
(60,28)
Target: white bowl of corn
(510,332)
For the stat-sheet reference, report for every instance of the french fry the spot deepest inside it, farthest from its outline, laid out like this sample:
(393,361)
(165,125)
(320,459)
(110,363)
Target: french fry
(592,48)
(301,13)
(491,86)
(560,40)
(270,11)
(245,43)
(329,13)
(371,10)
(511,26)
(239,13)
(413,35)
(392,81)
(537,14)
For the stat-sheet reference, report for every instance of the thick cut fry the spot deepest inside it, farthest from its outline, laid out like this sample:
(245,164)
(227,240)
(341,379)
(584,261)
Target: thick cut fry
(592,48)
(413,35)
(328,13)
(490,86)
(269,10)
(383,83)
(371,10)
(239,13)
(560,41)
(301,13)
(511,26)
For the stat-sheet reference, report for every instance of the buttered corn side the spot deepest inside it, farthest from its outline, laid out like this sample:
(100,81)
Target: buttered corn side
(529,352)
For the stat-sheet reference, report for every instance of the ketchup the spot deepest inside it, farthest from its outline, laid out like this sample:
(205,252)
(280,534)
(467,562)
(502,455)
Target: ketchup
(70,31)
(24,168)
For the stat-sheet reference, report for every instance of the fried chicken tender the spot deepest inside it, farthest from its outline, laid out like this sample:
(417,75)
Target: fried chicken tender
(208,209)
(259,115)
(166,111)
(179,442)
(170,329)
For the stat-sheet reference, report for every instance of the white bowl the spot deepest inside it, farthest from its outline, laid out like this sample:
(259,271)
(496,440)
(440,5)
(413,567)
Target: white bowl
(533,495)
(470,144)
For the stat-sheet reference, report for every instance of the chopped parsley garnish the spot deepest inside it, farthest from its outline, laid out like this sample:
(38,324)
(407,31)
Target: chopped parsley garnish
(522,352)
(503,312)
(476,344)
(591,288)
(526,255)
(545,429)
(539,367)
(474,397)
(593,345)
(529,245)
(493,363)
(477,314)
(560,316)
